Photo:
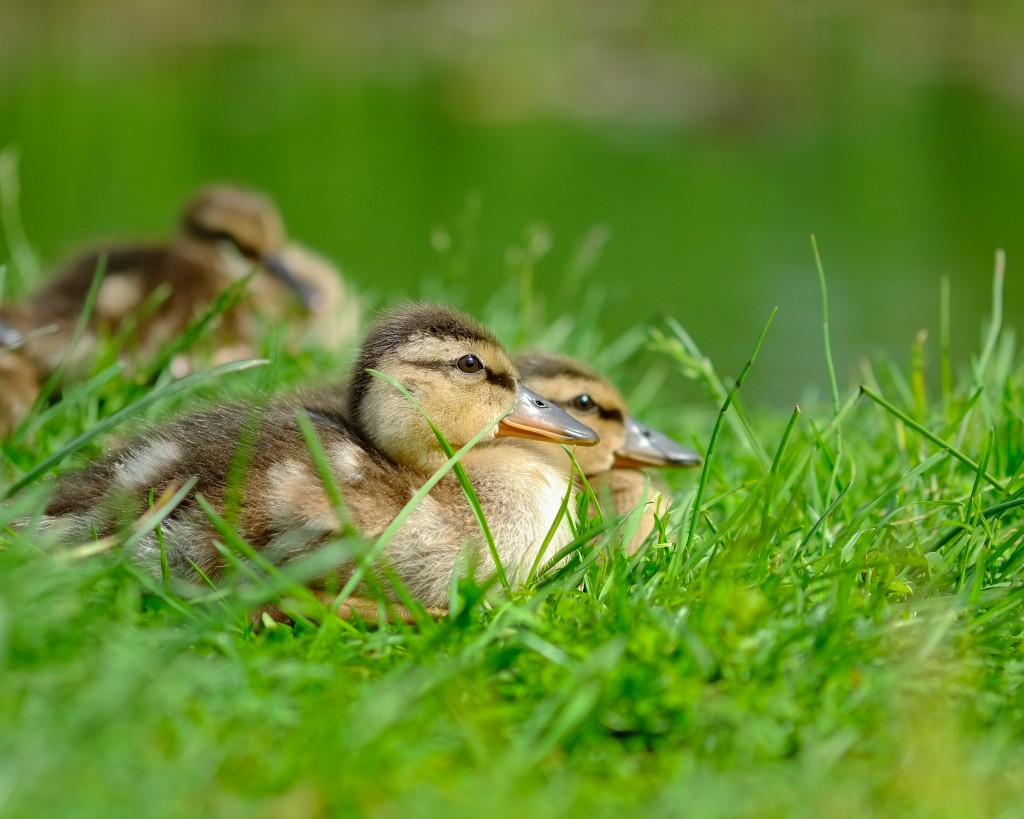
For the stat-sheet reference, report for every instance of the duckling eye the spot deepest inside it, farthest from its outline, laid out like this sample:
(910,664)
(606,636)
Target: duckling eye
(469,364)
(584,403)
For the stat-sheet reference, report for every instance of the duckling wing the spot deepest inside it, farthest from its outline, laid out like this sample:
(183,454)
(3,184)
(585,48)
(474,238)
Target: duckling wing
(115,491)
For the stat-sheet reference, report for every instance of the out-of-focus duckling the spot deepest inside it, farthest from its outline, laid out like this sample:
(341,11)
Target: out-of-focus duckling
(193,267)
(380,451)
(627,447)
(151,292)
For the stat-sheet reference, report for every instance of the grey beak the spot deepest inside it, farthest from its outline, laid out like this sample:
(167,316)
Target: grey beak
(538,419)
(648,447)
(309,296)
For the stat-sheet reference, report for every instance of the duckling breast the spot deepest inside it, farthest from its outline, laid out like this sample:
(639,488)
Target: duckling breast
(522,490)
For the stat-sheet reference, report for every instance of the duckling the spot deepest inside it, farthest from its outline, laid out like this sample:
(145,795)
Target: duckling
(380,451)
(188,272)
(627,446)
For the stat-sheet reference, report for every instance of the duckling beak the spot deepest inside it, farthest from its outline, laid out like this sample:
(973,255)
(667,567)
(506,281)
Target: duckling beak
(540,420)
(648,447)
(309,296)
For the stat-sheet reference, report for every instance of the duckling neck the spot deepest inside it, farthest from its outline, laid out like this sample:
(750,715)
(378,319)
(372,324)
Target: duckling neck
(427,461)
(408,452)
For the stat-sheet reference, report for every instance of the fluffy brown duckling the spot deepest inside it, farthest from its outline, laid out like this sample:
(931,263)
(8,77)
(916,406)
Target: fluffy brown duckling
(615,466)
(380,451)
(151,292)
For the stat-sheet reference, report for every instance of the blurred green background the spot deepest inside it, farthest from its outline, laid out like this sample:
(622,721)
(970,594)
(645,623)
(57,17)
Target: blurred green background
(696,145)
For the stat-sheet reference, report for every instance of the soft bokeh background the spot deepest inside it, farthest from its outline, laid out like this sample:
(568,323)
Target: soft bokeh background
(689,149)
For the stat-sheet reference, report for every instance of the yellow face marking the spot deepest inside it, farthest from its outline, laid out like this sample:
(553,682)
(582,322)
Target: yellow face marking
(460,404)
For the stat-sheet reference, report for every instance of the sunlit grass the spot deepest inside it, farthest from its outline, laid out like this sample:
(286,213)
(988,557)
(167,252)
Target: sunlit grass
(837,632)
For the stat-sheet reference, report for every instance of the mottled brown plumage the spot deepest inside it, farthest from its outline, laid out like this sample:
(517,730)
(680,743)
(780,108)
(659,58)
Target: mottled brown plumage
(380,451)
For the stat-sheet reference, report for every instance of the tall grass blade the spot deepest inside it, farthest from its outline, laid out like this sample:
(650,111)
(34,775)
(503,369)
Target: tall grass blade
(829,363)
(709,455)
(410,506)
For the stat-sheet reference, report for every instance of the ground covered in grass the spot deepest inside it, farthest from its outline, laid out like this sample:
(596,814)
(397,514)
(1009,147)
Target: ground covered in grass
(838,632)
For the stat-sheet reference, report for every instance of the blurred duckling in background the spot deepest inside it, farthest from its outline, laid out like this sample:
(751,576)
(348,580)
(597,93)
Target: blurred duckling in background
(380,451)
(150,293)
(615,467)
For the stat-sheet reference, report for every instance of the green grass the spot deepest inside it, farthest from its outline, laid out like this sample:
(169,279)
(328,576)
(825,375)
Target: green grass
(838,632)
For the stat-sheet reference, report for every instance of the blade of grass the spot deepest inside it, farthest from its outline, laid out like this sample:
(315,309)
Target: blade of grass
(996,324)
(97,382)
(825,516)
(316,451)
(773,473)
(698,367)
(829,363)
(562,511)
(225,300)
(76,336)
(946,365)
(235,547)
(22,340)
(708,457)
(157,514)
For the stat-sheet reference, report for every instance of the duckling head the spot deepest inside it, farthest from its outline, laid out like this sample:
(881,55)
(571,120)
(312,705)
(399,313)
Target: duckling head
(592,399)
(248,220)
(460,375)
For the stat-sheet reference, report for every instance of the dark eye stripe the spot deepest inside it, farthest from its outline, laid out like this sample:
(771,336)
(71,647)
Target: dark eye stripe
(500,379)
